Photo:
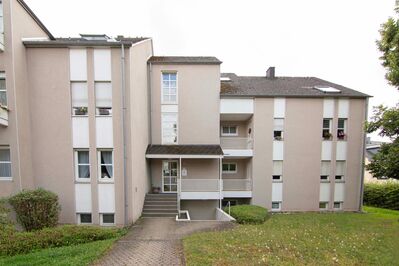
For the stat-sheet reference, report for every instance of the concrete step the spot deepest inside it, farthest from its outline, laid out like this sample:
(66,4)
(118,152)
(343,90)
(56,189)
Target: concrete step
(159,211)
(160,202)
(160,198)
(156,214)
(172,206)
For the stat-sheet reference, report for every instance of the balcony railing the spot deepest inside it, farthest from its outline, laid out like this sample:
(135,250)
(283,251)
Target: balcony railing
(200,185)
(237,184)
(236,143)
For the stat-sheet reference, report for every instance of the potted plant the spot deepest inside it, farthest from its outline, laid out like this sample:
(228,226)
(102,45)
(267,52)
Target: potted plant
(81,111)
(341,134)
(103,111)
(156,190)
(327,135)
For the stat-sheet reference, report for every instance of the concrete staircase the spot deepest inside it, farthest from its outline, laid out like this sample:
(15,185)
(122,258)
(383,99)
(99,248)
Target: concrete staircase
(160,205)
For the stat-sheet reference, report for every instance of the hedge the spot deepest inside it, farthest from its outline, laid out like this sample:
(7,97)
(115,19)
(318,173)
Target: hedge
(13,242)
(248,214)
(36,209)
(382,195)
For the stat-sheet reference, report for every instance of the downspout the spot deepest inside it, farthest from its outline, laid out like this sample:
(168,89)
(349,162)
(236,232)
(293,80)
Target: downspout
(149,108)
(363,157)
(125,180)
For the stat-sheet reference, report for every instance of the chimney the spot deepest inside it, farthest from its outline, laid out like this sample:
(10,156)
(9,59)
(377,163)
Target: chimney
(270,73)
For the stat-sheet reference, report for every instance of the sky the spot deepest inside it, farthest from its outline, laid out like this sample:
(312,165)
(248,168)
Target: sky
(329,39)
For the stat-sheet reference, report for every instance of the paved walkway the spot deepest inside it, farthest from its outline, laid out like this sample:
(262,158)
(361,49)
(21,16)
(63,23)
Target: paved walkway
(156,241)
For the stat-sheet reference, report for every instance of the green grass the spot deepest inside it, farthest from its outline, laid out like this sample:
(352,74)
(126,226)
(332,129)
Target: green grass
(371,238)
(81,254)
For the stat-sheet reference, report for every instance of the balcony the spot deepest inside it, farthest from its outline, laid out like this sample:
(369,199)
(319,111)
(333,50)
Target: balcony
(236,146)
(3,116)
(236,109)
(197,189)
(237,188)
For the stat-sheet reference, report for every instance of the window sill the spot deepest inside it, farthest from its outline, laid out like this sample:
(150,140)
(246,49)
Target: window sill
(6,179)
(102,181)
(229,135)
(339,181)
(324,181)
(81,180)
(103,115)
(277,181)
(80,115)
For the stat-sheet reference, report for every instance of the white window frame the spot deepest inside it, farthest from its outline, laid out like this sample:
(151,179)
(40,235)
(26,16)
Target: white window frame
(99,166)
(76,164)
(106,224)
(6,178)
(340,205)
(107,107)
(163,128)
(323,202)
(3,77)
(343,175)
(79,218)
(325,128)
(342,128)
(321,174)
(229,134)
(72,103)
(229,171)
(163,101)
(279,206)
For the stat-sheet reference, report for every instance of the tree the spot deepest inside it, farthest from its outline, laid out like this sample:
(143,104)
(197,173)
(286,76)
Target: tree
(386,162)
(386,120)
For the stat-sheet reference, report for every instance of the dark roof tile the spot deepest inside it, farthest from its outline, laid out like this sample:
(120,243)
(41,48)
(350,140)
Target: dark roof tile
(189,60)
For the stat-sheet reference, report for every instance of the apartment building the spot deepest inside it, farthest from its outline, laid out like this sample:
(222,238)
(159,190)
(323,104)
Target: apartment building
(104,123)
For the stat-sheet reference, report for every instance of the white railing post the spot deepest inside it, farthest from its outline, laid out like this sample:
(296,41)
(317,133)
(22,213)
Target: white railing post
(179,188)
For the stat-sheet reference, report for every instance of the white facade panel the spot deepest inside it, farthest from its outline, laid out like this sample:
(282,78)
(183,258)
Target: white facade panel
(236,106)
(237,194)
(104,132)
(78,64)
(106,198)
(328,108)
(341,151)
(325,192)
(200,195)
(326,150)
(80,132)
(279,107)
(102,64)
(339,191)
(230,153)
(83,198)
(277,192)
(278,150)
(343,108)
(170,108)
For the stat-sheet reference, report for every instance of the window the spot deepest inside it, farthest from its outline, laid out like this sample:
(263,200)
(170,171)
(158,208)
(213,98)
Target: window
(79,98)
(84,218)
(82,164)
(278,128)
(326,134)
(169,87)
(277,171)
(341,131)
(107,219)
(3,89)
(325,170)
(169,128)
(5,163)
(337,205)
(229,168)
(103,98)
(105,158)
(276,206)
(229,131)
(340,170)
(323,205)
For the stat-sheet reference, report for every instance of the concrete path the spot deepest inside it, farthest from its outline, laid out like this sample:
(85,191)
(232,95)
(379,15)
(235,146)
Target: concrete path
(156,241)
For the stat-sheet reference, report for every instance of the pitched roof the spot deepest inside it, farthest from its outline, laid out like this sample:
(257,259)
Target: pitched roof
(36,19)
(248,86)
(184,150)
(189,60)
(80,41)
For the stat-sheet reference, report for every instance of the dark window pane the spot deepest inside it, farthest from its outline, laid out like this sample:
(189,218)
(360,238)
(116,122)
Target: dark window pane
(276,177)
(337,205)
(85,218)
(326,123)
(5,169)
(2,84)
(83,157)
(106,171)
(338,177)
(225,167)
(341,123)
(84,171)
(233,167)
(5,155)
(108,218)
(106,157)
(324,177)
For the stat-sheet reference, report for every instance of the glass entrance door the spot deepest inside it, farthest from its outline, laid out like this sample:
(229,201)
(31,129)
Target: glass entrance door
(169,176)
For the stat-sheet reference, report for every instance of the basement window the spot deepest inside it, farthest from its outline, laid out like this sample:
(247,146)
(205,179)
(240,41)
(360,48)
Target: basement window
(338,205)
(276,206)
(323,205)
(84,218)
(107,219)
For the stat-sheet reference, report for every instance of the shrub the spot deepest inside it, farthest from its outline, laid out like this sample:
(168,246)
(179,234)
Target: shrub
(248,214)
(13,243)
(382,195)
(5,222)
(36,209)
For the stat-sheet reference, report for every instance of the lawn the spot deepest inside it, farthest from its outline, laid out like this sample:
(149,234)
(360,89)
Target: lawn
(81,254)
(303,238)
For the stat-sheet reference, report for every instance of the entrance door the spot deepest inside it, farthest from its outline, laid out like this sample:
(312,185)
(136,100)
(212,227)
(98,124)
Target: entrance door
(169,176)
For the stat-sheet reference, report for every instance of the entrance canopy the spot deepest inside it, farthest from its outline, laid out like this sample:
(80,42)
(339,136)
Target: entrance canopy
(184,151)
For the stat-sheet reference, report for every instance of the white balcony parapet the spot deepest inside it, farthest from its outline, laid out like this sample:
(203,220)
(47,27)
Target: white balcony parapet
(3,116)
(236,106)
(236,143)
(199,185)
(237,184)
